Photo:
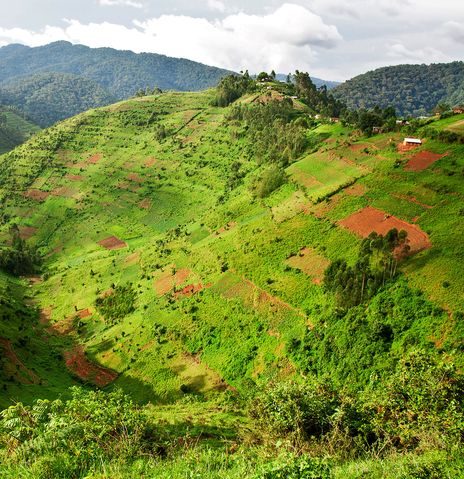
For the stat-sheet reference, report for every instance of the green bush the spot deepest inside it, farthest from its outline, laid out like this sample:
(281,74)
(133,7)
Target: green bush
(118,304)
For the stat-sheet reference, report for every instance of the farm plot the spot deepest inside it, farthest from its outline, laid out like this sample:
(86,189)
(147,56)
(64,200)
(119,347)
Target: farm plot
(370,219)
(309,262)
(322,175)
(422,160)
(112,243)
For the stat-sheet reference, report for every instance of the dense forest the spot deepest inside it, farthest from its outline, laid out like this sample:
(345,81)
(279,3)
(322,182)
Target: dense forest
(46,98)
(411,89)
(121,73)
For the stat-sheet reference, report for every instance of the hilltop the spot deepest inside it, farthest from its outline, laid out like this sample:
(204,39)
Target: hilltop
(211,262)
(413,90)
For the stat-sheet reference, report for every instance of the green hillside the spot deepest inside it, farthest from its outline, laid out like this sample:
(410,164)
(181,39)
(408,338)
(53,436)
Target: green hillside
(205,261)
(14,129)
(50,97)
(413,90)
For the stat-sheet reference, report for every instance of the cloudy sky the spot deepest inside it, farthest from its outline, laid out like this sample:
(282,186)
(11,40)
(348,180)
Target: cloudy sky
(332,39)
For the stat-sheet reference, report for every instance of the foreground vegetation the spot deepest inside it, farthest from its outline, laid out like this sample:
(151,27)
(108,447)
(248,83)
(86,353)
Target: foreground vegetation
(196,264)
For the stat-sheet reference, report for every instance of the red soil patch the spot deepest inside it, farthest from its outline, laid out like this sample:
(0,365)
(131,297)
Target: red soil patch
(112,243)
(369,219)
(355,190)
(26,232)
(37,195)
(321,209)
(150,162)
(311,263)
(361,146)
(94,159)
(145,204)
(405,148)
(422,160)
(84,313)
(77,363)
(22,373)
(227,227)
(134,177)
(74,177)
(63,192)
(167,281)
(125,185)
(56,250)
(191,289)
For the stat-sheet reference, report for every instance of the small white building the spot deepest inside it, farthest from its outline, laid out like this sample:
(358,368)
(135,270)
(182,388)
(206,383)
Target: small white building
(412,141)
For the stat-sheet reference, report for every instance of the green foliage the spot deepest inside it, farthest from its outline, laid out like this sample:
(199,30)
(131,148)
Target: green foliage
(367,120)
(232,87)
(118,304)
(58,439)
(303,467)
(412,90)
(377,262)
(271,179)
(119,73)
(19,258)
(14,128)
(46,98)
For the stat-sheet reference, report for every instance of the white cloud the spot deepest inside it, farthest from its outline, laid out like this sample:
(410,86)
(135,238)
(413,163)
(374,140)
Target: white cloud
(217,5)
(119,3)
(425,55)
(282,40)
(454,30)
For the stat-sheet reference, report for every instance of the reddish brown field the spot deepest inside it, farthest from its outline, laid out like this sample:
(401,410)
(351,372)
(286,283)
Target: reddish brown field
(370,219)
(45,315)
(405,148)
(145,204)
(191,289)
(63,192)
(77,363)
(26,232)
(134,177)
(84,313)
(355,190)
(133,258)
(311,263)
(112,243)
(166,282)
(18,369)
(74,177)
(94,159)
(37,195)
(422,160)
(150,162)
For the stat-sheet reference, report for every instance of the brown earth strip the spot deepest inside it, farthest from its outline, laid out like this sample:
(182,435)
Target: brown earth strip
(422,160)
(370,219)
(78,364)
(112,243)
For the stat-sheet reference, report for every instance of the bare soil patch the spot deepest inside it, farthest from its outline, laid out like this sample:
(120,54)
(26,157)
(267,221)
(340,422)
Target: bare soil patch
(26,232)
(311,263)
(355,190)
(134,177)
(402,148)
(45,315)
(112,243)
(169,279)
(422,160)
(149,162)
(74,177)
(370,219)
(133,258)
(37,195)
(18,369)
(145,204)
(191,289)
(94,159)
(78,364)
(63,192)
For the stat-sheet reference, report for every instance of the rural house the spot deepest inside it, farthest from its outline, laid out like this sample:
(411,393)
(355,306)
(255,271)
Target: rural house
(458,110)
(412,142)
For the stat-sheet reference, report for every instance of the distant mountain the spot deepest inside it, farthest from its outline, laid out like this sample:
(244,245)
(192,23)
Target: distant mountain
(46,98)
(317,81)
(412,89)
(120,73)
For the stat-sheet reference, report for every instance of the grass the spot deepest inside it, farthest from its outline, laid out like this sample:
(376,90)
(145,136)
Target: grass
(237,330)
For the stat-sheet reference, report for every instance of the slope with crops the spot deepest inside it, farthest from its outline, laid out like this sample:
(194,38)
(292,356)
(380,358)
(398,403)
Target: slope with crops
(248,276)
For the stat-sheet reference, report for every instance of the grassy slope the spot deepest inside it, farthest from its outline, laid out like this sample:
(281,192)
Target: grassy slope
(16,130)
(238,328)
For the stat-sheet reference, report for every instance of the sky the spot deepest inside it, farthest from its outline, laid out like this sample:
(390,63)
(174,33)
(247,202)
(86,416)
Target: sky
(331,39)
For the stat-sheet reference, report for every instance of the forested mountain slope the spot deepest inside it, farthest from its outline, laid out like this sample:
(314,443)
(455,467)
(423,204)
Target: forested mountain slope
(411,89)
(14,129)
(46,98)
(215,263)
(120,73)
